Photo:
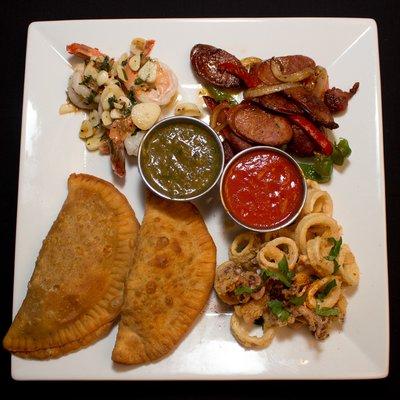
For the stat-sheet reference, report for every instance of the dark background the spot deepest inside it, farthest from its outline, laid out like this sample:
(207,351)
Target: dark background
(15,19)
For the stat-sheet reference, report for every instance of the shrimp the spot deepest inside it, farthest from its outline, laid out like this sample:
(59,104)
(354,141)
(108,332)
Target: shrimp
(79,91)
(80,95)
(131,77)
(118,132)
(83,51)
(165,87)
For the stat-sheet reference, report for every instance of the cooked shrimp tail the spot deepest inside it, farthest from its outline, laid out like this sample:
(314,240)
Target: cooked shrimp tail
(148,47)
(117,154)
(83,51)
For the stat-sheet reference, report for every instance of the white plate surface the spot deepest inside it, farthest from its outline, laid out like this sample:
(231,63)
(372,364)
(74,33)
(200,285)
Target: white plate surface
(51,150)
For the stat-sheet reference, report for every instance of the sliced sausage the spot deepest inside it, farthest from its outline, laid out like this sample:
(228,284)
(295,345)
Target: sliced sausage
(236,143)
(278,103)
(205,61)
(337,100)
(301,144)
(315,107)
(290,65)
(255,125)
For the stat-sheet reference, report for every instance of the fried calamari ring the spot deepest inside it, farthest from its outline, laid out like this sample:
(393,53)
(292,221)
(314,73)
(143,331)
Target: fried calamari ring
(242,335)
(348,271)
(317,201)
(312,184)
(317,251)
(243,247)
(326,226)
(331,299)
(271,251)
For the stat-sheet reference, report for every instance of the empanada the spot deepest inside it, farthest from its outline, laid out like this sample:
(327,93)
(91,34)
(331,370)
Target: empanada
(169,284)
(76,290)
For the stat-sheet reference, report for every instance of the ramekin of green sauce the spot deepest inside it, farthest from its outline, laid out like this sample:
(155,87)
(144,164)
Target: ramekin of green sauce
(181,158)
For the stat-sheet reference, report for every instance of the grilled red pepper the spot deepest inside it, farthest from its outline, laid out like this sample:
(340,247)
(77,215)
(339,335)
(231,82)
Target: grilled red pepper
(324,144)
(241,72)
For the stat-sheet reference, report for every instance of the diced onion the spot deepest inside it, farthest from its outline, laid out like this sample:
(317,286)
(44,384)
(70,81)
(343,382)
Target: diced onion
(102,78)
(86,130)
(295,77)
(248,62)
(134,62)
(268,89)
(67,108)
(94,118)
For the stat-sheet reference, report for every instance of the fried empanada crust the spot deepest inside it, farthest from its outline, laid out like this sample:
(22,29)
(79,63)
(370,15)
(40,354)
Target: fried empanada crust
(76,291)
(169,284)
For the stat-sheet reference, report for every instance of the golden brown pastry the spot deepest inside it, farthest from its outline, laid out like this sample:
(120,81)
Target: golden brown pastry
(76,290)
(169,283)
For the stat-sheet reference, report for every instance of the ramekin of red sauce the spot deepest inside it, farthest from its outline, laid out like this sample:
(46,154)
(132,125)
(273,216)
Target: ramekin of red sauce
(263,189)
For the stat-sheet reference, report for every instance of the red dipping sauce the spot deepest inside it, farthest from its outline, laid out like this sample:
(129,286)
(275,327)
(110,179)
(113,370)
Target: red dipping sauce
(263,189)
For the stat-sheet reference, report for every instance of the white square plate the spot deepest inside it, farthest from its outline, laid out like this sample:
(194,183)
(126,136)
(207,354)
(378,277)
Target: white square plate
(51,150)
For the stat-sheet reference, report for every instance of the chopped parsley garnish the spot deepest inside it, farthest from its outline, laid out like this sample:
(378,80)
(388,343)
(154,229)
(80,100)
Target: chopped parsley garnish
(328,287)
(326,311)
(243,290)
(90,98)
(131,97)
(126,111)
(278,310)
(138,81)
(105,64)
(111,100)
(334,252)
(284,274)
(298,301)
(87,80)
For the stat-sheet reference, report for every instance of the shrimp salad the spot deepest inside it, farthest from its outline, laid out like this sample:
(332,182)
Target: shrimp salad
(123,97)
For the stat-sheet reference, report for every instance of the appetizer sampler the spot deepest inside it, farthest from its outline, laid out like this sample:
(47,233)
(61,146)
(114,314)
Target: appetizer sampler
(76,290)
(96,265)
(290,277)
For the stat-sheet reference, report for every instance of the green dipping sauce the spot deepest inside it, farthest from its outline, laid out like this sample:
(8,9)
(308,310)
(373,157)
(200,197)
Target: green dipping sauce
(180,159)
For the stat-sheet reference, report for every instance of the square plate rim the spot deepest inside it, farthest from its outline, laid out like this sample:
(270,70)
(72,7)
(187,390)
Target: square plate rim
(369,22)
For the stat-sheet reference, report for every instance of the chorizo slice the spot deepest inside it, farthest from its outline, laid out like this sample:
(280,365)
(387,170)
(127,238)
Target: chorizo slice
(337,100)
(315,107)
(301,144)
(289,64)
(205,60)
(278,103)
(236,143)
(255,125)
